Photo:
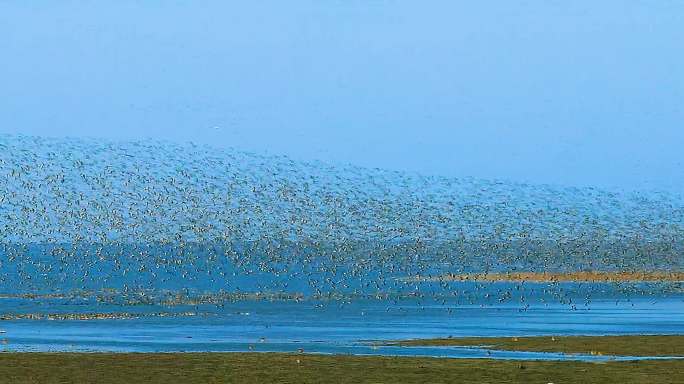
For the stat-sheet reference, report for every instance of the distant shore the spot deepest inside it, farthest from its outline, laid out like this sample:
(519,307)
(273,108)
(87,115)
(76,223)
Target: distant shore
(550,277)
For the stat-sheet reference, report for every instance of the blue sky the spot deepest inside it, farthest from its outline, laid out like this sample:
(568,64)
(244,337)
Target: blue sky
(576,93)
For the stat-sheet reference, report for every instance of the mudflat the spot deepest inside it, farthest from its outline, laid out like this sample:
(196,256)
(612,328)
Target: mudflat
(170,368)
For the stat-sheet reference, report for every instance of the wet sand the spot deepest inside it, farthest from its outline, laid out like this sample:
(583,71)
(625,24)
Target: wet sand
(550,277)
(248,368)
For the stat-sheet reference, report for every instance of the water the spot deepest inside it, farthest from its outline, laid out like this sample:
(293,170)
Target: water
(186,248)
(333,327)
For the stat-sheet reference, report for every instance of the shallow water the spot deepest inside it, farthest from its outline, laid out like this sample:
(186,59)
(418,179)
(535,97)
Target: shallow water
(186,248)
(332,326)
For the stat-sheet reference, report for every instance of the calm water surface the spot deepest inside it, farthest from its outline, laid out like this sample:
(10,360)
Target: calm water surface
(329,326)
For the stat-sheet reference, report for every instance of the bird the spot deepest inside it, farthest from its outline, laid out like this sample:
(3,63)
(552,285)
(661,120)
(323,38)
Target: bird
(163,223)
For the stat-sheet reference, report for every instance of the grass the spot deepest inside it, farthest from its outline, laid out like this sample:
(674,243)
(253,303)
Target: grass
(248,368)
(640,345)
(168,368)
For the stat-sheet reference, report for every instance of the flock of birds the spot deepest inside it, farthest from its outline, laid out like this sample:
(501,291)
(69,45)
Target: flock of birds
(159,221)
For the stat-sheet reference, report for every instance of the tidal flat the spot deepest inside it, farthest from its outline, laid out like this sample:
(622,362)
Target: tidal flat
(631,345)
(556,277)
(168,368)
(158,262)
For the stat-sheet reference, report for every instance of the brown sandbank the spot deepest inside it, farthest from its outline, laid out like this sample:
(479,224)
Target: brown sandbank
(550,277)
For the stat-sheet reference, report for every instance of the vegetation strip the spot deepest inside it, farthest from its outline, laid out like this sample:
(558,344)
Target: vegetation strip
(246,368)
(637,345)
(550,277)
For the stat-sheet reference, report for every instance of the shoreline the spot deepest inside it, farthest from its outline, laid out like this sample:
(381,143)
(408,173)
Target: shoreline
(558,277)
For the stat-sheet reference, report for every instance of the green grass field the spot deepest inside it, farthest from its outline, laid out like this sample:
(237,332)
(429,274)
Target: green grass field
(22,368)
(651,345)
(132,368)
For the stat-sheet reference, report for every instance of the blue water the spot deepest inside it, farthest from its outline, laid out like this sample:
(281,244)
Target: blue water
(332,326)
(190,248)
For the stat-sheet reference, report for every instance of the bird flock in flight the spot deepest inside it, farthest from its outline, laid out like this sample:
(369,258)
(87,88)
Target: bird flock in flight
(157,221)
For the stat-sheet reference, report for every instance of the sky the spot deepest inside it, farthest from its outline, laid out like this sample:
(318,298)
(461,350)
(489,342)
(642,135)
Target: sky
(583,93)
